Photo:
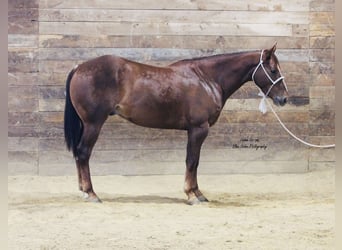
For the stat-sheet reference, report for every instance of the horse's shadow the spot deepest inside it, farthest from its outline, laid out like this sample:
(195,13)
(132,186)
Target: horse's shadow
(148,199)
(156,199)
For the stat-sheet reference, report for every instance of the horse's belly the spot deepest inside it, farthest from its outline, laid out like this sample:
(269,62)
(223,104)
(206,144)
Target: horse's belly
(160,116)
(174,106)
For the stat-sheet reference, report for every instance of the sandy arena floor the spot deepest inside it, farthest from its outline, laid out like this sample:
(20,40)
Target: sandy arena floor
(287,211)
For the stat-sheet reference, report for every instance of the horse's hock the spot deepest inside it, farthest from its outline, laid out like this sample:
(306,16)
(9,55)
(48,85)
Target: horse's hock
(46,40)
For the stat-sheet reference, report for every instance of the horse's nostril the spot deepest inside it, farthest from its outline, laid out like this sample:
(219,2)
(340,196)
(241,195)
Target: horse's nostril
(281,100)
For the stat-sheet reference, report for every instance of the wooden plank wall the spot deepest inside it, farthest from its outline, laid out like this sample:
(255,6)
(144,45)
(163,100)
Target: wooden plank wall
(48,37)
(23,97)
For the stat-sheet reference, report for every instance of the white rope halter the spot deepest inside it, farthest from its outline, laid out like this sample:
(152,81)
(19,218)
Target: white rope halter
(262,105)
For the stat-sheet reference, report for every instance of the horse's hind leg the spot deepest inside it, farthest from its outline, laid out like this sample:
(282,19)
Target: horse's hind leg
(84,149)
(79,176)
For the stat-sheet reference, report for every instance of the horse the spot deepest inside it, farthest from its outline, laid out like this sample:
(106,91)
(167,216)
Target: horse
(186,95)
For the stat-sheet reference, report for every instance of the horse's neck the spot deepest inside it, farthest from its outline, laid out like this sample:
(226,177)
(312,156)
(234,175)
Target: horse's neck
(231,71)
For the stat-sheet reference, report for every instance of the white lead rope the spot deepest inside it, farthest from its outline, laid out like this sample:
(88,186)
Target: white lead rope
(293,135)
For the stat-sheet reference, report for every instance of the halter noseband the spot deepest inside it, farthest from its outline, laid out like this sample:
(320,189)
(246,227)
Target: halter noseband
(262,106)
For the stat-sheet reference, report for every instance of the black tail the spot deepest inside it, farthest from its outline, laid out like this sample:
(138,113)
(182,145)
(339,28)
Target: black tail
(73,127)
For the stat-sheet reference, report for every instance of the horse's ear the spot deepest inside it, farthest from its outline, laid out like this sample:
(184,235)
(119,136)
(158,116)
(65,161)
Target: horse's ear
(270,52)
(274,48)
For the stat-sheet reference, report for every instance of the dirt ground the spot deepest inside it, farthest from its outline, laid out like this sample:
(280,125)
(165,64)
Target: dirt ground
(271,211)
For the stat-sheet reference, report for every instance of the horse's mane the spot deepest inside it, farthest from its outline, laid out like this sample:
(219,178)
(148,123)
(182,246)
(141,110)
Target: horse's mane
(217,57)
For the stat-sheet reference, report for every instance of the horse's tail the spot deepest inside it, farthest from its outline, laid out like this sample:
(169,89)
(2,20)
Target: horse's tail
(73,126)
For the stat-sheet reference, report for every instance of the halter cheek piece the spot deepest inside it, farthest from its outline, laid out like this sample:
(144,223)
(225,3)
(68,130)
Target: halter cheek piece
(262,106)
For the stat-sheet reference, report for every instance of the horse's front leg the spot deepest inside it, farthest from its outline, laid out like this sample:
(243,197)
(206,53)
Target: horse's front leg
(196,137)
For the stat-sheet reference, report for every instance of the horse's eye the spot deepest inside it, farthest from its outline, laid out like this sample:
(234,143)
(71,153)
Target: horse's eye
(273,71)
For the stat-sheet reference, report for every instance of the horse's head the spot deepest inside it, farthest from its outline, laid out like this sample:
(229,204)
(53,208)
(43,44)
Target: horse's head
(268,78)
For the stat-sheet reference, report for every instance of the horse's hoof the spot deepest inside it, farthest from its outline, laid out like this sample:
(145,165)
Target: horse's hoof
(202,198)
(197,200)
(193,201)
(91,198)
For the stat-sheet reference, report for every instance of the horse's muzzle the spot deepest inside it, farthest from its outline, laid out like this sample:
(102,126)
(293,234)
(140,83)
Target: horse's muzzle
(280,100)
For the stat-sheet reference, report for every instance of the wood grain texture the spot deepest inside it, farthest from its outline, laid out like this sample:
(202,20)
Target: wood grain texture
(168,41)
(177,16)
(170,28)
(263,5)
(46,38)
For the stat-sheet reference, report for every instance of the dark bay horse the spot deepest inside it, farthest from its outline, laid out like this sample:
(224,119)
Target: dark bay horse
(186,95)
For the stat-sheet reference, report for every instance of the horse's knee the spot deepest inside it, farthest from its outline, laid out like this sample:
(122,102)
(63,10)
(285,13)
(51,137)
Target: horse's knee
(191,164)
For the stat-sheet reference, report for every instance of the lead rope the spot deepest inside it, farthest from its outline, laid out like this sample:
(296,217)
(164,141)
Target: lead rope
(263,106)
(293,135)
